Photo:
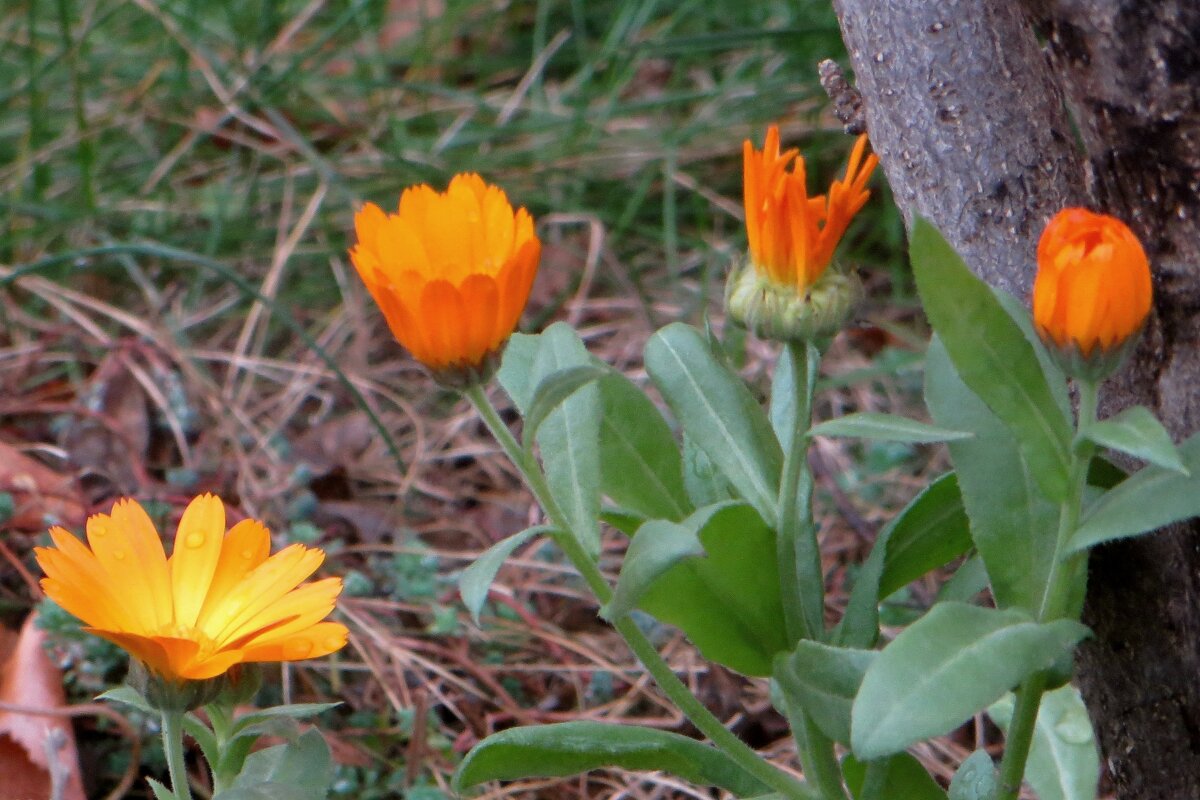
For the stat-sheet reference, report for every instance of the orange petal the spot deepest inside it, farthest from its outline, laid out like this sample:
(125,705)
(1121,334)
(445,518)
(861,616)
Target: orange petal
(268,582)
(319,640)
(194,559)
(300,608)
(246,545)
(111,544)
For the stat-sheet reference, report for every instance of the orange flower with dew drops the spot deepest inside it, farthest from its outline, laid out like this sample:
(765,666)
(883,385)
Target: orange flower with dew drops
(1093,289)
(451,270)
(220,599)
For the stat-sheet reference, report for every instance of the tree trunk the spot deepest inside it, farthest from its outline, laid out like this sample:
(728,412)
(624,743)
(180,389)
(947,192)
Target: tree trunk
(987,133)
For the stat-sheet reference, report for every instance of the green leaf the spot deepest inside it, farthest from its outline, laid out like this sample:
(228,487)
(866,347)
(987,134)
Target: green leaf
(160,792)
(718,413)
(130,697)
(885,427)
(967,581)
(976,779)
(1013,525)
(931,531)
(569,438)
(288,710)
(1064,761)
(946,666)
(704,482)
(516,369)
(640,465)
(823,680)
(203,735)
(569,748)
(727,602)
(993,357)
(303,766)
(657,546)
(553,390)
(1147,500)
(476,580)
(1138,432)
(903,779)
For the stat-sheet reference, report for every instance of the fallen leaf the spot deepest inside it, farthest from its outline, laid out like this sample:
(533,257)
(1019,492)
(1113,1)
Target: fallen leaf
(37,751)
(41,496)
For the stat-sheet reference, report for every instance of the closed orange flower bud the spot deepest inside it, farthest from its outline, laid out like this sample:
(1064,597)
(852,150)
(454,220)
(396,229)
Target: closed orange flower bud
(451,272)
(1093,292)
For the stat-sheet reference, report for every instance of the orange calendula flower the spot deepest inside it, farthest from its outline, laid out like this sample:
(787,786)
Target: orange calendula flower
(793,236)
(786,290)
(1092,292)
(451,271)
(218,601)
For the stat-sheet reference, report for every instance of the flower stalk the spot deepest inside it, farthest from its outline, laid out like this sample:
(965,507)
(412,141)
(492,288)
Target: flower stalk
(172,736)
(675,690)
(1065,572)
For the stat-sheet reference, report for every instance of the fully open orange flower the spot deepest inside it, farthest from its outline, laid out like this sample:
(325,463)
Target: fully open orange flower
(219,600)
(1093,282)
(793,236)
(451,271)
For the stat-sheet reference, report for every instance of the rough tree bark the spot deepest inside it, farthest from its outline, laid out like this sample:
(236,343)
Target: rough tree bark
(988,116)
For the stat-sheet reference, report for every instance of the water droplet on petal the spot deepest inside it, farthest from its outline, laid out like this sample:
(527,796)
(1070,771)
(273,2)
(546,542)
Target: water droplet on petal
(194,539)
(247,554)
(297,649)
(334,642)
(119,555)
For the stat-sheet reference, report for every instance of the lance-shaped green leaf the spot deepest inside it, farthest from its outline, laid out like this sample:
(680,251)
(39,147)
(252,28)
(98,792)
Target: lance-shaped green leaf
(476,580)
(1138,432)
(704,482)
(553,390)
(569,438)
(823,680)
(569,748)
(901,777)
(993,357)
(1064,762)
(705,575)
(299,770)
(976,778)
(1145,501)
(930,531)
(1013,525)
(951,663)
(516,369)
(885,427)
(718,413)
(640,465)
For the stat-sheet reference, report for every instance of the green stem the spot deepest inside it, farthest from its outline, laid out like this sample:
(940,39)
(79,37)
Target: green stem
(672,687)
(1020,736)
(802,583)
(172,735)
(1065,572)
(817,757)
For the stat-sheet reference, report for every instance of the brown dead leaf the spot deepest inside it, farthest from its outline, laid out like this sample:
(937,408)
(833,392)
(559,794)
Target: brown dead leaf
(37,751)
(41,496)
(112,442)
(338,442)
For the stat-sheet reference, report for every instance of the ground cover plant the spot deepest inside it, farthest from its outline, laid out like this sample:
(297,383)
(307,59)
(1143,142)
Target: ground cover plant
(675,431)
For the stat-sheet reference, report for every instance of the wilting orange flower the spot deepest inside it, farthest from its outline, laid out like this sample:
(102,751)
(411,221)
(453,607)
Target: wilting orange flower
(1093,282)
(219,600)
(793,236)
(451,271)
